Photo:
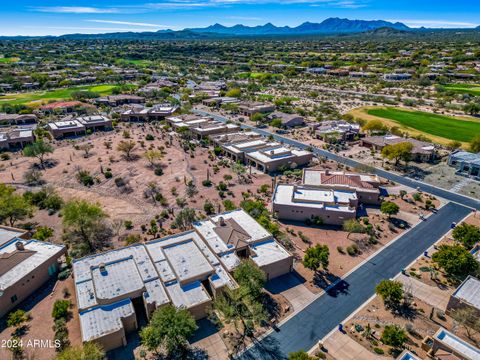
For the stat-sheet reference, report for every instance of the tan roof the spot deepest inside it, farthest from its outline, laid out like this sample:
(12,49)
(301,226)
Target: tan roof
(342,179)
(10,260)
(232,233)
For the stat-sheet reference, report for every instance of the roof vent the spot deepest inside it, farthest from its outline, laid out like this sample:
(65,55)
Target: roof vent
(19,246)
(221,220)
(102,267)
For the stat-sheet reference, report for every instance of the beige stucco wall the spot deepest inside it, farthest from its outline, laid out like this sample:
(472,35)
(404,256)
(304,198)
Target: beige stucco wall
(297,213)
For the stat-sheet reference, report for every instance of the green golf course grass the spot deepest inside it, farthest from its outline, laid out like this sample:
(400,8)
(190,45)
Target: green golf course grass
(9,60)
(59,94)
(463,88)
(438,125)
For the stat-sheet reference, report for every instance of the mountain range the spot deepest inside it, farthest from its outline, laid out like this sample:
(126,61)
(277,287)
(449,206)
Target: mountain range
(328,26)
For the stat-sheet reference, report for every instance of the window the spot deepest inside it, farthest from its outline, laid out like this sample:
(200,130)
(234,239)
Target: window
(13,298)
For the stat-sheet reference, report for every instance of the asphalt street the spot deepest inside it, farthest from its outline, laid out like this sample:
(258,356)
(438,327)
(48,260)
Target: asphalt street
(306,328)
(448,195)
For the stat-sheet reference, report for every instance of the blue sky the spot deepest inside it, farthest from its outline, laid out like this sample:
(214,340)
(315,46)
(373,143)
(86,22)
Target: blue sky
(35,17)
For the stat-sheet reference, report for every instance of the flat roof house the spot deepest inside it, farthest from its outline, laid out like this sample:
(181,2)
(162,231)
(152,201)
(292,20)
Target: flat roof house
(234,138)
(465,162)
(116,287)
(154,113)
(121,99)
(365,185)
(16,138)
(25,265)
(302,202)
(16,119)
(95,122)
(274,157)
(446,345)
(421,151)
(213,128)
(345,130)
(467,295)
(250,108)
(65,128)
(236,235)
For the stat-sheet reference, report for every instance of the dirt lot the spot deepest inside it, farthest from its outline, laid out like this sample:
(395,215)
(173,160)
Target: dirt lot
(128,202)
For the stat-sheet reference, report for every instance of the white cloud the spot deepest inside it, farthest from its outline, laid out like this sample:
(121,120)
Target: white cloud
(128,23)
(75,9)
(436,23)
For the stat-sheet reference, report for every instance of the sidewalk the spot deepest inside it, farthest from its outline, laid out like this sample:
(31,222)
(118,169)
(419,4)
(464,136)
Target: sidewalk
(343,347)
(429,294)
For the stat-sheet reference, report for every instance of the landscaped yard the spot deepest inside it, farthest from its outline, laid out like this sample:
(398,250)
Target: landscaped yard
(37,97)
(439,128)
(471,89)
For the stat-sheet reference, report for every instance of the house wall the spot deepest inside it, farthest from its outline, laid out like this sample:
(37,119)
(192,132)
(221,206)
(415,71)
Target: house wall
(278,268)
(26,286)
(367,197)
(297,213)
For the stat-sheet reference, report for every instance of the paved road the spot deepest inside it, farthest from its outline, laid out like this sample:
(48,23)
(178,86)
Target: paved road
(451,196)
(303,330)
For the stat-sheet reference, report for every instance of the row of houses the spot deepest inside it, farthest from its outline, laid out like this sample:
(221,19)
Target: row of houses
(187,270)
(331,196)
(260,153)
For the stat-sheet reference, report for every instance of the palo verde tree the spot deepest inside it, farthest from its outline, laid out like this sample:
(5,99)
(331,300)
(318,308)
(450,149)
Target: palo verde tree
(13,207)
(389,208)
(85,226)
(397,152)
(456,261)
(467,235)
(39,149)
(316,257)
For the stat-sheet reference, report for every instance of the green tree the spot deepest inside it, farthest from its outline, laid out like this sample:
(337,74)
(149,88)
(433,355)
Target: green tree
(169,328)
(395,336)
(126,147)
(455,260)
(153,157)
(475,144)
(316,256)
(85,226)
(208,207)
(374,126)
(39,149)
(17,318)
(257,118)
(61,309)
(185,218)
(13,207)
(235,92)
(88,351)
(454,145)
(391,292)
(250,278)
(353,226)
(43,233)
(389,208)
(397,152)
(466,234)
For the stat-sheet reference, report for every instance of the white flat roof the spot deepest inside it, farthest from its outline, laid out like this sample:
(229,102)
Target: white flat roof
(119,278)
(469,291)
(457,344)
(7,234)
(187,295)
(292,195)
(268,252)
(68,124)
(102,320)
